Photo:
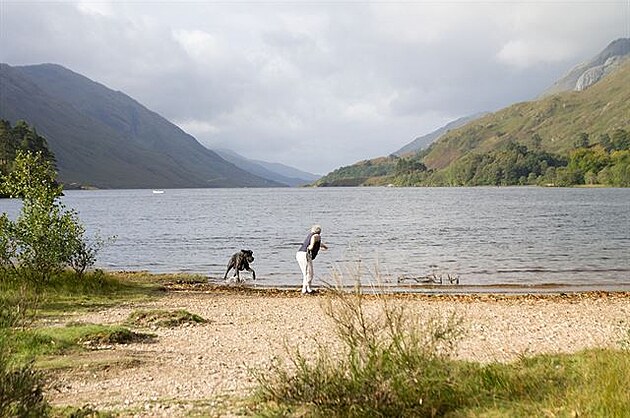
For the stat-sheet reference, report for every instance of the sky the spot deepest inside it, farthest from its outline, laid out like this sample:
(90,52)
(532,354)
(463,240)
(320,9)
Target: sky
(314,84)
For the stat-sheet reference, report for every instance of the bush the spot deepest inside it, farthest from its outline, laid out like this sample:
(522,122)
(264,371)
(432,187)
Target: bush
(392,365)
(46,237)
(21,389)
(160,318)
(18,306)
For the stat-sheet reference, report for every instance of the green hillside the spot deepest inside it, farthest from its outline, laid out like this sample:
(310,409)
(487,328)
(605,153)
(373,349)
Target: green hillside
(565,139)
(106,139)
(551,124)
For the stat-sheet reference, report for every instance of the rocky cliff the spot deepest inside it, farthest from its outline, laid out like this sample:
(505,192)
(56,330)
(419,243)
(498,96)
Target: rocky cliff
(586,74)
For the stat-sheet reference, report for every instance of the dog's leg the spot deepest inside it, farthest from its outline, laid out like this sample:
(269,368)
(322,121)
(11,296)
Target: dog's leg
(251,270)
(229,267)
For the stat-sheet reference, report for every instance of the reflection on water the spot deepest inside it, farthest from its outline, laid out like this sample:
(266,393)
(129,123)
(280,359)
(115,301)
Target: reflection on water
(485,236)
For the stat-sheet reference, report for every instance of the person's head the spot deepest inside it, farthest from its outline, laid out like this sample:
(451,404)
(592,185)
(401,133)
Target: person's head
(316,229)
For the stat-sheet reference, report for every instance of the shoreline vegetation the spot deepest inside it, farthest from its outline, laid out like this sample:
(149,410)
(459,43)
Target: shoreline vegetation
(141,344)
(586,165)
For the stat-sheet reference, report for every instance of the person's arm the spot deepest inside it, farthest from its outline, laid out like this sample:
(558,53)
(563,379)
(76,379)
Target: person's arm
(314,239)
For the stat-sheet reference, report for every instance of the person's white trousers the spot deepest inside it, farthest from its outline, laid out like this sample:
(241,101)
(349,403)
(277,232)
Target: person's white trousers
(306,265)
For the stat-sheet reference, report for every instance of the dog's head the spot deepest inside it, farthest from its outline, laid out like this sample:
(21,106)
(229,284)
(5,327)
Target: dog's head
(248,255)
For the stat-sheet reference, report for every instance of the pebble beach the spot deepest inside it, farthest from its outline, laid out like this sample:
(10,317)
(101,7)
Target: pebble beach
(248,329)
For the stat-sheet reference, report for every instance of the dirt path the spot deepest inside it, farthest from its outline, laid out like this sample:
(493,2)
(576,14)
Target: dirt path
(205,364)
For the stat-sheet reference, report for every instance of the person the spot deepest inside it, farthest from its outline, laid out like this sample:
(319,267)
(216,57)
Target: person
(306,254)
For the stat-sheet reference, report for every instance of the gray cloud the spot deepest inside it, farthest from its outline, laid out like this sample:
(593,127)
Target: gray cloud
(314,85)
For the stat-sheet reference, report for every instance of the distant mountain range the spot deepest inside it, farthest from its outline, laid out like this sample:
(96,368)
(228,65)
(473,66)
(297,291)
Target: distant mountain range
(279,173)
(104,138)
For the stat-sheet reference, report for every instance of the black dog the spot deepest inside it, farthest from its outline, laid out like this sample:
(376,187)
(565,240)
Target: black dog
(239,262)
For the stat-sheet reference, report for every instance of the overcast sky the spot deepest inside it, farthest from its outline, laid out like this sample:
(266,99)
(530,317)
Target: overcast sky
(315,85)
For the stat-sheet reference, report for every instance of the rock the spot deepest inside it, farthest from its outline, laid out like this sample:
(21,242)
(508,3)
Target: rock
(594,74)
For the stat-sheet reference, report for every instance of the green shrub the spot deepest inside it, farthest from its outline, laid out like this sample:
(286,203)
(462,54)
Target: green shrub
(161,318)
(21,389)
(46,237)
(18,305)
(392,365)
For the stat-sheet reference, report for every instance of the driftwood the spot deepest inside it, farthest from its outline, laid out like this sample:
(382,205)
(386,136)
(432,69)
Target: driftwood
(431,279)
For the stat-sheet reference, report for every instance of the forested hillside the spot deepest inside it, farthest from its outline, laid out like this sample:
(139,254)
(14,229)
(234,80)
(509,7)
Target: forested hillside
(571,138)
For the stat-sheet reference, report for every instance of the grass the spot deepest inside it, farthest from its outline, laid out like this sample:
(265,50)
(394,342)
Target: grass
(79,412)
(33,343)
(393,365)
(69,293)
(162,318)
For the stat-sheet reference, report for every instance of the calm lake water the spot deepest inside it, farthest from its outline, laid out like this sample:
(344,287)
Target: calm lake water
(485,236)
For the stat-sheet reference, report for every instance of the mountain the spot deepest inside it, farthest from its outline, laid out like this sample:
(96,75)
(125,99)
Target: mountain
(289,172)
(106,139)
(552,123)
(573,137)
(586,74)
(366,172)
(279,173)
(424,141)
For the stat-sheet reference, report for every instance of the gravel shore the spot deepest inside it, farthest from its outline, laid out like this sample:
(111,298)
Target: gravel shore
(208,363)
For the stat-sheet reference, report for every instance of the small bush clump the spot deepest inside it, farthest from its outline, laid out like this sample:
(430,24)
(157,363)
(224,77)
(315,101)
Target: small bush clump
(21,389)
(113,335)
(161,318)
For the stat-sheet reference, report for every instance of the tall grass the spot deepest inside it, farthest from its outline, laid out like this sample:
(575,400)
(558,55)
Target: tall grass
(21,386)
(391,364)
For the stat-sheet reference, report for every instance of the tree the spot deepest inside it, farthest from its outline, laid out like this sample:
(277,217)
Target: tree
(620,169)
(45,236)
(20,137)
(589,159)
(409,166)
(606,142)
(536,141)
(582,140)
(620,140)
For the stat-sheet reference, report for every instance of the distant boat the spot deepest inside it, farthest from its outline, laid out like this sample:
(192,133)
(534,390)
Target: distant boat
(158,191)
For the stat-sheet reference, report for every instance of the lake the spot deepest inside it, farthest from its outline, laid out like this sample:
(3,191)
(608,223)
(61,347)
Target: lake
(509,236)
